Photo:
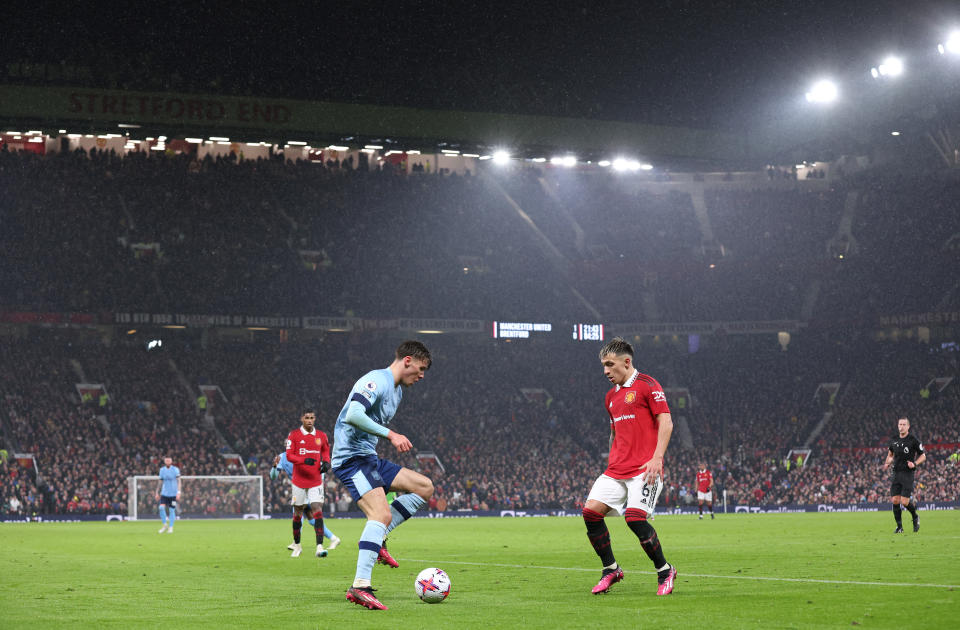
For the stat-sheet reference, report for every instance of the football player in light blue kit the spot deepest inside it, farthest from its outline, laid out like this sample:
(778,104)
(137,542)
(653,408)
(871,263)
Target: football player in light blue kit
(280,462)
(363,420)
(168,493)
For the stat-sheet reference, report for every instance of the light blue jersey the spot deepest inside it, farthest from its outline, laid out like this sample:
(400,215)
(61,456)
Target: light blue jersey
(380,397)
(285,465)
(169,476)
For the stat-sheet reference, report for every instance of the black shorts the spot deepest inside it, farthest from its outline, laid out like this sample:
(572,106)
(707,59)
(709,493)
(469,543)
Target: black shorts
(171,501)
(902,484)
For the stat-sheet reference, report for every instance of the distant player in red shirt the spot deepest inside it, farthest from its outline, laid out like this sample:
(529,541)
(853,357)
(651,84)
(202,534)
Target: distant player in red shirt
(640,428)
(309,451)
(704,489)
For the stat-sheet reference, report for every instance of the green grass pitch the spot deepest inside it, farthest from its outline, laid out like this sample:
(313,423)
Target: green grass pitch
(739,571)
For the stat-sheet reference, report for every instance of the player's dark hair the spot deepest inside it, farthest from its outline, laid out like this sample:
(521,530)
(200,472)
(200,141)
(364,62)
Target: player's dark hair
(415,349)
(307,410)
(618,347)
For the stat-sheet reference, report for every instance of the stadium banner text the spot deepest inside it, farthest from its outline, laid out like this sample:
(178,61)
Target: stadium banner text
(208,112)
(705,328)
(205,321)
(920,319)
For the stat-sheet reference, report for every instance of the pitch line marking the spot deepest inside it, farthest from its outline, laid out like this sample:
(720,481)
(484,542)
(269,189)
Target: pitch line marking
(700,575)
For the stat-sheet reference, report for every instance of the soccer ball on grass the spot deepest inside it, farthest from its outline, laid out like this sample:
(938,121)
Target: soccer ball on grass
(433,585)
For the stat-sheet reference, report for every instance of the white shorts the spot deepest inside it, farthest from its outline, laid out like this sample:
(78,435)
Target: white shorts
(303,496)
(705,496)
(621,494)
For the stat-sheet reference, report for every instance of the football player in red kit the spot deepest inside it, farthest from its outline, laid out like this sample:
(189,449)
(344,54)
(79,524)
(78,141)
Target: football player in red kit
(640,428)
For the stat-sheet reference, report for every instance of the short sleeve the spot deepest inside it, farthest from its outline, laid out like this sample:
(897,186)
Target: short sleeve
(656,398)
(368,390)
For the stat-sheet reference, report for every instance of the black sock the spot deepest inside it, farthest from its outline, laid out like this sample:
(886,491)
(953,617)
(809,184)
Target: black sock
(912,509)
(297,524)
(700,509)
(637,521)
(711,508)
(318,528)
(599,536)
(897,511)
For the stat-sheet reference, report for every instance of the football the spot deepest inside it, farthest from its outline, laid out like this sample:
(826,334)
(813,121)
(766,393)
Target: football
(432,585)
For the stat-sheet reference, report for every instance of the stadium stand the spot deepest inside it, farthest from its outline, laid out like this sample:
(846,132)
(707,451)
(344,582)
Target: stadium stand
(97,233)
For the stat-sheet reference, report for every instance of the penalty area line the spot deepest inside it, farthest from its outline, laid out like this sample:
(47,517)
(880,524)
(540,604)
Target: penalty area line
(698,575)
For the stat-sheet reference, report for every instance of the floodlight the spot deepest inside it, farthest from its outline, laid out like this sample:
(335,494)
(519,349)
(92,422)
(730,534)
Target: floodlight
(621,164)
(567,160)
(891,67)
(501,157)
(953,43)
(823,91)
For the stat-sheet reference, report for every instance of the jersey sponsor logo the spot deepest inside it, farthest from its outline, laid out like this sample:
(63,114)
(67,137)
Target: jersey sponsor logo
(659,396)
(628,416)
(630,397)
(305,451)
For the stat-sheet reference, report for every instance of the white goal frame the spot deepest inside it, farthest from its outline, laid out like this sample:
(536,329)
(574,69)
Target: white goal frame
(132,491)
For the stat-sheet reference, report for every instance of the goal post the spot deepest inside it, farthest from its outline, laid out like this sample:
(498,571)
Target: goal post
(201,496)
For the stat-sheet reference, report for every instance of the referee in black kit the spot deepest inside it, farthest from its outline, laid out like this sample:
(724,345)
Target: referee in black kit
(906,453)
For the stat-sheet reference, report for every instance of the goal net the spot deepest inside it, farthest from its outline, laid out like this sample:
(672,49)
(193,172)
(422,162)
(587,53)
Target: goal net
(204,496)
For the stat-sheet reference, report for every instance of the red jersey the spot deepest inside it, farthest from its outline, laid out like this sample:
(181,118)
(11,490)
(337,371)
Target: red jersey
(300,446)
(633,408)
(704,480)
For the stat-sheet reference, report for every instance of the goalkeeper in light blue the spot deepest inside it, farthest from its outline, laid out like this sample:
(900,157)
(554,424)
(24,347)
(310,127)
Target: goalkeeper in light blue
(282,464)
(168,493)
(369,408)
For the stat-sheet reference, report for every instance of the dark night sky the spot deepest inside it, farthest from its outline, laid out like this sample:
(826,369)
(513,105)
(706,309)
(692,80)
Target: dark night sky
(691,62)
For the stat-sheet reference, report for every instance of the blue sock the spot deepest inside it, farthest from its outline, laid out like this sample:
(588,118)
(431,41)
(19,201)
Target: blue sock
(328,533)
(163,514)
(403,507)
(173,515)
(370,541)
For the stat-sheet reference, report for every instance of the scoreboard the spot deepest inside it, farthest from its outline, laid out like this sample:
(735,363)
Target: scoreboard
(519,330)
(588,332)
(525,330)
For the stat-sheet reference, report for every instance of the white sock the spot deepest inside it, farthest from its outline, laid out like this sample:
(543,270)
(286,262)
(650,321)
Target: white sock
(664,567)
(361,583)
(612,566)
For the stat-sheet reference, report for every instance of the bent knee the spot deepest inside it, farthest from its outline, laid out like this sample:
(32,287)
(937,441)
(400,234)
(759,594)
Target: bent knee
(382,516)
(426,489)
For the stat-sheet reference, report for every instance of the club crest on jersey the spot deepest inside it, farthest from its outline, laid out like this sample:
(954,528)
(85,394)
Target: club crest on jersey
(371,386)
(318,441)
(630,397)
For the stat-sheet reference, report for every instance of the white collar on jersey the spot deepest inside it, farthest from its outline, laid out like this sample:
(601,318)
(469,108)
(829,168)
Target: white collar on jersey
(631,380)
(312,431)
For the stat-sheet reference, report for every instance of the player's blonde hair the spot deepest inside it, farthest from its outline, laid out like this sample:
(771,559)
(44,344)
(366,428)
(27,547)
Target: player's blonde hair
(618,347)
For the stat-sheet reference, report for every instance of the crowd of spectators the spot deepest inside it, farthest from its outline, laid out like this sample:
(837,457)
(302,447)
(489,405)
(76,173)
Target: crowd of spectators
(511,425)
(497,425)
(176,234)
